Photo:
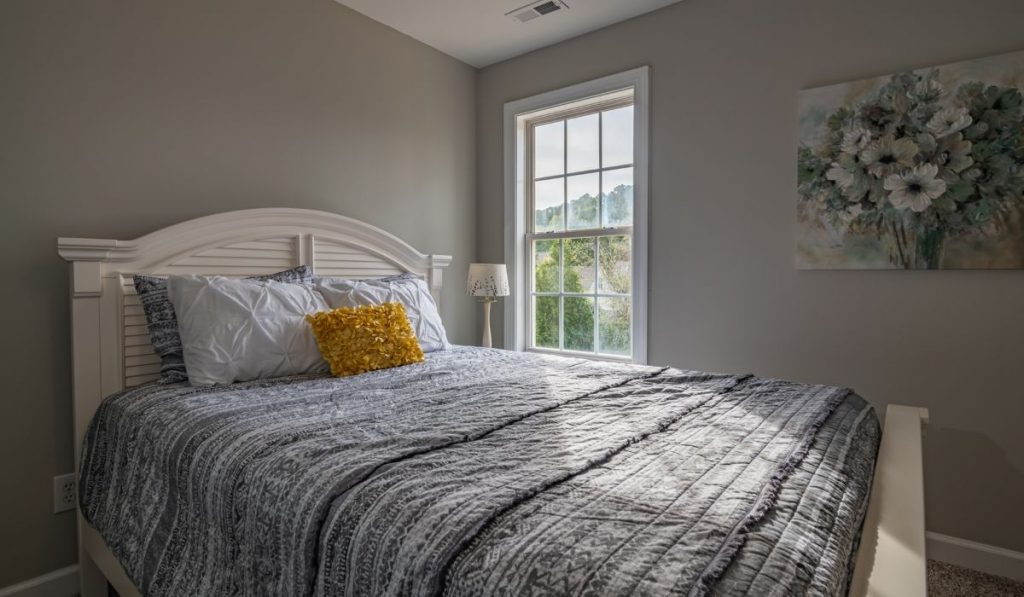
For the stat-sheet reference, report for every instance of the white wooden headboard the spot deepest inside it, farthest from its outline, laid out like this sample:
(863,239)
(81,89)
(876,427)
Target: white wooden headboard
(110,342)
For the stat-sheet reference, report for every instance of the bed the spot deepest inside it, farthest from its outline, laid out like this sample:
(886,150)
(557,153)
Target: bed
(476,472)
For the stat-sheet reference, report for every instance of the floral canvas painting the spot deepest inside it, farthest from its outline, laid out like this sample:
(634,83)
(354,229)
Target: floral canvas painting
(917,170)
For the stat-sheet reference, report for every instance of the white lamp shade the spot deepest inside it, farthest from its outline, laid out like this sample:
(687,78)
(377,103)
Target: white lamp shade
(487,279)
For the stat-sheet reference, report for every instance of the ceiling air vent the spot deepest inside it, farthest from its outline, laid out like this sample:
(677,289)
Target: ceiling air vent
(536,9)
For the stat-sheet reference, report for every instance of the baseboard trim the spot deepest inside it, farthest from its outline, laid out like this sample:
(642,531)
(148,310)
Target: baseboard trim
(59,583)
(976,556)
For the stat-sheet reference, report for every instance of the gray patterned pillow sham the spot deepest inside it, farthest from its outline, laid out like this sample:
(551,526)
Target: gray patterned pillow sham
(163,323)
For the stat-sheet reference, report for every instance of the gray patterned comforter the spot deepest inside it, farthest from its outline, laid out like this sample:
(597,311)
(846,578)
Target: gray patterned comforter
(483,472)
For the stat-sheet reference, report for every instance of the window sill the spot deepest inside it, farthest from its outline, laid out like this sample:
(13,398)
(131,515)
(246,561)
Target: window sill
(581,355)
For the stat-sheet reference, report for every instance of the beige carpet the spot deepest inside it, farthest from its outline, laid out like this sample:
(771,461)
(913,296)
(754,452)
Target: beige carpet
(947,580)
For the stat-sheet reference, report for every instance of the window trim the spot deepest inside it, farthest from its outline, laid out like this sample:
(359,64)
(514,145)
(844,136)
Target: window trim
(516,116)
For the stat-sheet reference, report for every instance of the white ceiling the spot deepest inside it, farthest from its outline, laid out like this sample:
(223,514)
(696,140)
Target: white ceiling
(478,32)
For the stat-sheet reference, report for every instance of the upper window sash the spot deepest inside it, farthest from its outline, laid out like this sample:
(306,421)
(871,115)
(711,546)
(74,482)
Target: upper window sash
(565,116)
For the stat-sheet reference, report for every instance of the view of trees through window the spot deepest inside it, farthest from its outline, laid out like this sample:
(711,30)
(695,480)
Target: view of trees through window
(581,240)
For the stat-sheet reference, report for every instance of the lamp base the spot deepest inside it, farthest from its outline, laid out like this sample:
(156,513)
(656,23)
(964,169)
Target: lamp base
(486,342)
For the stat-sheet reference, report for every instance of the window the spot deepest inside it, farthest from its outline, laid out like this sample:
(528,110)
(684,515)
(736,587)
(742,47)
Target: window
(581,228)
(579,202)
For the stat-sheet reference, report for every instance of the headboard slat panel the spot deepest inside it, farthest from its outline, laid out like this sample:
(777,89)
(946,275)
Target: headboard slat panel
(338,259)
(140,360)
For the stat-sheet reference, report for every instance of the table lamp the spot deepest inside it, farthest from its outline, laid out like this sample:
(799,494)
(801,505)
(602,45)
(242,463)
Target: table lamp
(487,281)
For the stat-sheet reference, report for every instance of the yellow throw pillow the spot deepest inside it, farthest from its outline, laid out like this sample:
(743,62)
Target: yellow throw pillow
(359,339)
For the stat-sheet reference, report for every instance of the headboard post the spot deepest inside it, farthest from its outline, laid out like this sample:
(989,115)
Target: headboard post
(86,279)
(305,250)
(86,289)
(436,273)
(92,334)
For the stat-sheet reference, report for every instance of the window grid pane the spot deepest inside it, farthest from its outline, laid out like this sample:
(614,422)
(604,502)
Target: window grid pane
(547,260)
(549,199)
(549,149)
(583,143)
(582,196)
(617,197)
(614,265)
(617,136)
(578,326)
(546,317)
(578,265)
(614,336)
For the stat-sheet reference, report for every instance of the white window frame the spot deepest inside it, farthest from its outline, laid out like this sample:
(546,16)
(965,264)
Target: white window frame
(516,116)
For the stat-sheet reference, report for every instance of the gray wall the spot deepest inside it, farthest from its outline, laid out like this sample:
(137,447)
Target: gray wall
(723,291)
(121,117)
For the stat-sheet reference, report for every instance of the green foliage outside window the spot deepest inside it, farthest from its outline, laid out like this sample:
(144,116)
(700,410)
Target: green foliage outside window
(614,276)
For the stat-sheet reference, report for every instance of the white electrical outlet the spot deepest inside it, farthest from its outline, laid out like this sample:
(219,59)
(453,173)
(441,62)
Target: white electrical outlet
(65,492)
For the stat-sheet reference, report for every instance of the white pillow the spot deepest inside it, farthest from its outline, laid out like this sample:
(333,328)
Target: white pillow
(409,290)
(237,330)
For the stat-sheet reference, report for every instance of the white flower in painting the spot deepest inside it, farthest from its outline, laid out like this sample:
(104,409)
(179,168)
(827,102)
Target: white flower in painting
(887,155)
(927,89)
(948,121)
(840,175)
(849,177)
(916,188)
(955,153)
(855,139)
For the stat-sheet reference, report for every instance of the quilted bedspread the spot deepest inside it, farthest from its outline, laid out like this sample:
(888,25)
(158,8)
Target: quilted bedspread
(483,472)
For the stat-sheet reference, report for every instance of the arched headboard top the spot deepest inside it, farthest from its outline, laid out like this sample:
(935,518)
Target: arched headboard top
(168,247)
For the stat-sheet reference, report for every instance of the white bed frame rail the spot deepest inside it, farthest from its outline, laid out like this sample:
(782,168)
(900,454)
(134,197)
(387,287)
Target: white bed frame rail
(109,341)
(111,351)
(891,561)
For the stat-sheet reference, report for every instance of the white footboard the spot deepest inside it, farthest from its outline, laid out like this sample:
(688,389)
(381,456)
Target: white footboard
(891,561)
